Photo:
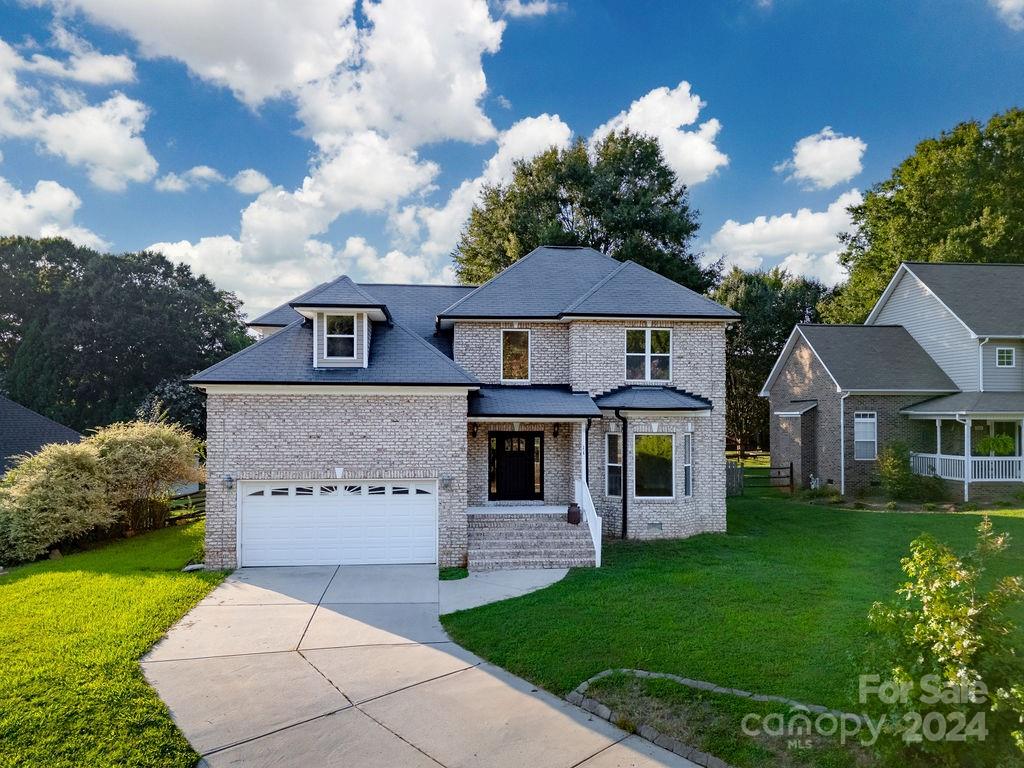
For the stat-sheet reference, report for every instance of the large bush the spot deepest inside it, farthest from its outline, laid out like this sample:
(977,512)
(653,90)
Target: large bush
(53,496)
(142,462)
(943,633)
(899,480)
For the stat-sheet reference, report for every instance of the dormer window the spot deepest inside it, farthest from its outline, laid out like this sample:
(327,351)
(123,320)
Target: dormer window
(339,337)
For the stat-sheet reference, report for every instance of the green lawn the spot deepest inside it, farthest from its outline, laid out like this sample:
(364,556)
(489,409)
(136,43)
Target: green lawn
(776,606)
(71,634)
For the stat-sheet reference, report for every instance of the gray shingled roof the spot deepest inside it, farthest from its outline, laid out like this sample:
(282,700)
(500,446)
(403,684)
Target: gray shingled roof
(876,357)
(416,307)
(24,431)
(284,314)
(638,291)
(650,398)
(536,401)
(971,402)
(340,292)
(397,356)
(989,298)
(560,281)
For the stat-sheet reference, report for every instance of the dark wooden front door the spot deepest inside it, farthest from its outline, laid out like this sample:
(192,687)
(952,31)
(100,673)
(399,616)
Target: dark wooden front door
(516,466)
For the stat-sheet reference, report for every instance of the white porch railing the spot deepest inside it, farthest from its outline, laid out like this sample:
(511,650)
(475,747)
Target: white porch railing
(983,468)
(586,502)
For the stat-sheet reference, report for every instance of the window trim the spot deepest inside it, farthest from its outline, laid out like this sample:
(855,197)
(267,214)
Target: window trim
(647,355)
(670,435)
(1013,357)
(687,463)
(608,464)
(866,416)
(529,356)
(326,336)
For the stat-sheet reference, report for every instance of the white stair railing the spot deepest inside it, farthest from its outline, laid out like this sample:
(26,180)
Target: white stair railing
(586,502)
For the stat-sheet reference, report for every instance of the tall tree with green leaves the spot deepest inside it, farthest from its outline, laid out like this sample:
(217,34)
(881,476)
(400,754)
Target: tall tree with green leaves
(771,303)
(619,197)
(91,346)
(959,197)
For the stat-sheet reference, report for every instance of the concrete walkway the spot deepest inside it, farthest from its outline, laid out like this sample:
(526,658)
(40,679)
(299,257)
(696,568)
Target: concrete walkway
(349,666)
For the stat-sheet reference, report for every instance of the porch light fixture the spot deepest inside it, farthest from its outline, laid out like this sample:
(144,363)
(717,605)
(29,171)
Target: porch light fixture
(473,429)
(555,429)
(229,482)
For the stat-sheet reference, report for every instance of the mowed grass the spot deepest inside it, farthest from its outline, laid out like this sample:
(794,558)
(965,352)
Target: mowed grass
(71,634)
(778,605)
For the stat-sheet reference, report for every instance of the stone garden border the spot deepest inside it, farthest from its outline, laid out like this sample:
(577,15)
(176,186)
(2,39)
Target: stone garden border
(580,699)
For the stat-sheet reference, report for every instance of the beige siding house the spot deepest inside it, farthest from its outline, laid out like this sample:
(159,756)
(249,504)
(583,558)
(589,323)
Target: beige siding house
(937,365)
(458,426)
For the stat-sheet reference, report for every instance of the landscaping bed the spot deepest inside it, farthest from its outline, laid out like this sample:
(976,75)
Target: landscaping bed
(777,606)
(71,634)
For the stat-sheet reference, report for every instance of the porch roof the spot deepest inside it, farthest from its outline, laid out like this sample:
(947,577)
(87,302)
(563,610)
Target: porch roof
(537,401)
(648,398)
(986,403)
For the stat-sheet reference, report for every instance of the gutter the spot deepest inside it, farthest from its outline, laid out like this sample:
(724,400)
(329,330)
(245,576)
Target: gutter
(625,473)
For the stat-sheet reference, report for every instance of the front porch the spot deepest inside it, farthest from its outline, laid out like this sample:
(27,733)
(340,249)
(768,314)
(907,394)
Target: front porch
(973,449)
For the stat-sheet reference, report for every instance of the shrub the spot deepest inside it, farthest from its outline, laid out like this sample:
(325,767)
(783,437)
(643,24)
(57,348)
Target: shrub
(998,445)
(942,624)
(142,462)
(898,478)
(54,496)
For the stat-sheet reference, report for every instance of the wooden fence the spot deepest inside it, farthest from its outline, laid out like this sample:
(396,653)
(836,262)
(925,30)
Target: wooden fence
(738,478)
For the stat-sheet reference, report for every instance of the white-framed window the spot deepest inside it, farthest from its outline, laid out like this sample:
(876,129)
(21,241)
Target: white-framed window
(654,466)
(687,465)
(515,354)
(648,354)
(1006,357)
(613,464)
(339,337)
(865,435)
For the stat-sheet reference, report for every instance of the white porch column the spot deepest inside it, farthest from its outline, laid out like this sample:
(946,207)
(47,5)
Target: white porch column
(938,438)
(967,459)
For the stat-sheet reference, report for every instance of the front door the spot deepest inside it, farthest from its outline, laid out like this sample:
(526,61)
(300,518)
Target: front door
(516,466)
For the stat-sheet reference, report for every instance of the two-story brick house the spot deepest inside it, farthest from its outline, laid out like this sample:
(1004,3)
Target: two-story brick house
(936,365)
(449,424)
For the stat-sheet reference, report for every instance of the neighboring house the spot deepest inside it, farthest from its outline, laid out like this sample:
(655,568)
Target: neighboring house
(25,431)
(447,424)
(937,365)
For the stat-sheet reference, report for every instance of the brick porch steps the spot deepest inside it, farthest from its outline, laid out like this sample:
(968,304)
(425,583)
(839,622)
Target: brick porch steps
(514,541)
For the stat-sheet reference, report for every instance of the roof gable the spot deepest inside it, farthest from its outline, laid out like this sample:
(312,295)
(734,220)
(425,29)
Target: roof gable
(341,292)
(883,358)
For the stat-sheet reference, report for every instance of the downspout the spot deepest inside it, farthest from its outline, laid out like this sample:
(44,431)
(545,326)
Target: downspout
(586,453)
(981,363)
(625,473)
(842,443)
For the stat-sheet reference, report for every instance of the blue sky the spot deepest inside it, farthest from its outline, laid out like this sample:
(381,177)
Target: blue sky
(364,130)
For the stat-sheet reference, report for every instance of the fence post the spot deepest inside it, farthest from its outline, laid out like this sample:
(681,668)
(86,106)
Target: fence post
(792,480)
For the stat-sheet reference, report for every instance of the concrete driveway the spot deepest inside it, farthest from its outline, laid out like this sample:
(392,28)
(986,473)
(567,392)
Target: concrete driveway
(349,666)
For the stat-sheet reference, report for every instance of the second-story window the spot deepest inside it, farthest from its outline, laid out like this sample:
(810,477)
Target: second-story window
(515,355)
(648,354)
(340,336)
(1005,357)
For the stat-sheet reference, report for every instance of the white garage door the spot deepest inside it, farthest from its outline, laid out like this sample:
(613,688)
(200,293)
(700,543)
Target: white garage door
(348,522)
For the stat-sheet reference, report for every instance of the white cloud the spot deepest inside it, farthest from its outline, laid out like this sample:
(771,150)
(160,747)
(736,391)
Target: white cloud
(1011,12)
(807,240)
(198,176)
(250,182)
(522,140)
(824,159)
(529,8)
(824,267)
(360,258)
(105,138)
(48,210)
(85,64)
(664,114)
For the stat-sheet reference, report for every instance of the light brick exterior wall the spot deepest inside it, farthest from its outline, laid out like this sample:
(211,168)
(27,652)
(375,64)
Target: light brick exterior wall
(597,364)
(306,436)
(561,461)
(477,348)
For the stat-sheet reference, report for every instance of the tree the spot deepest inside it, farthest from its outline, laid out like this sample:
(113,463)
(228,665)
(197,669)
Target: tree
(621,198)
(958,198)
(771,303)
(176,402)
(91,348)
